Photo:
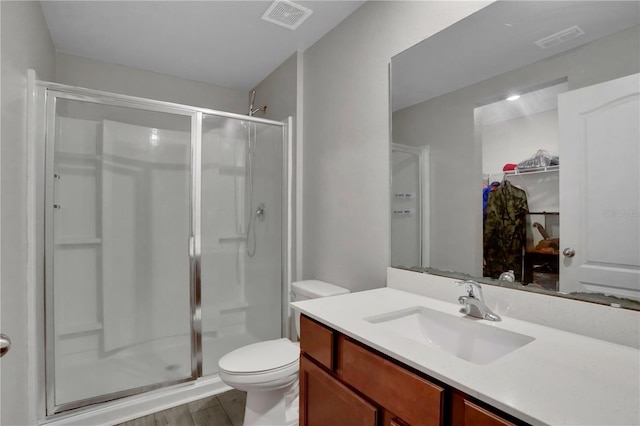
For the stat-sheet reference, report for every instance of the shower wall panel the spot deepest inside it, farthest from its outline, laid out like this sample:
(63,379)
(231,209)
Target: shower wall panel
(145,229)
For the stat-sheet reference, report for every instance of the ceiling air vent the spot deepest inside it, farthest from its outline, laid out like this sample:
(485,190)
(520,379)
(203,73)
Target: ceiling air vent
(560,37)
(286,14)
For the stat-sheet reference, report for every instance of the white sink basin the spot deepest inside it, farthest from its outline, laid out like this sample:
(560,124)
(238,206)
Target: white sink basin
(463,337)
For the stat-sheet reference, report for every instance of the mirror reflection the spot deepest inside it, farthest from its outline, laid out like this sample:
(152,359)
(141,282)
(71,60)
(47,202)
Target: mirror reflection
(515,149)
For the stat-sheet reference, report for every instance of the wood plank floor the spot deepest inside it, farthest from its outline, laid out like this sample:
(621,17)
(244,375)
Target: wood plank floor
(226,409)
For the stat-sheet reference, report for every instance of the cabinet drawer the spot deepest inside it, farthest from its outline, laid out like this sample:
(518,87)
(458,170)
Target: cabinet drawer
(413,399)
(317,341)
(324,401)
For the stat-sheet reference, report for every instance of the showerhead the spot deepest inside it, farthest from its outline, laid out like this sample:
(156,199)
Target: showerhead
(251,101)
(253,110)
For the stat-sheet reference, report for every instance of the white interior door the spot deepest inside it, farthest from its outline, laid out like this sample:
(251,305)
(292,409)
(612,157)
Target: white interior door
(600,188)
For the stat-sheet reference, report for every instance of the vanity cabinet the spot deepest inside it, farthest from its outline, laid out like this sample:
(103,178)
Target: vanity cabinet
(343,382)
(333,403)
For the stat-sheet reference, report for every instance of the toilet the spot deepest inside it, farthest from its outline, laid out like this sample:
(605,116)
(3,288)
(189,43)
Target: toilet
(268,371)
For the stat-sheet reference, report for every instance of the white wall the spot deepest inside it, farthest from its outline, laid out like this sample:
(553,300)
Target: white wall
(279,91)
(516,140)
(77,71)
(346,136)
(446,123)
(25,43)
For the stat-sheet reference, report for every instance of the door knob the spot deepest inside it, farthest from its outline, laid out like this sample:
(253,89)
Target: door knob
(5,344)
(569,252)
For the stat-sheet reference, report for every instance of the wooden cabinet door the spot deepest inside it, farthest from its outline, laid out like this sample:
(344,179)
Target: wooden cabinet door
(324,401)
(415,400)
(466,413)
(316,341)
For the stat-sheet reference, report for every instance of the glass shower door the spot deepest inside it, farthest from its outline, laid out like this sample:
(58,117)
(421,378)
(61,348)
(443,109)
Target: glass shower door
(241,216)
(118,227)
(406,207)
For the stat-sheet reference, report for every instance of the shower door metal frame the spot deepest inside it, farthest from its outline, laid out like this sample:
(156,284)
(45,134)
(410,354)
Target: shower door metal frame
(53,91)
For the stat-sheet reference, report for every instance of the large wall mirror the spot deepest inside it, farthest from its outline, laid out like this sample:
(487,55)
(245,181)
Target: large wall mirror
(515,150)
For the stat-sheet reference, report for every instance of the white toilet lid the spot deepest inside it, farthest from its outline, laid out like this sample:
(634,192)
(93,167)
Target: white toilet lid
(261,356)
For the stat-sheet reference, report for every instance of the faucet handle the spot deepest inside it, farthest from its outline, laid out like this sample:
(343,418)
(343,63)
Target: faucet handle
(473,288)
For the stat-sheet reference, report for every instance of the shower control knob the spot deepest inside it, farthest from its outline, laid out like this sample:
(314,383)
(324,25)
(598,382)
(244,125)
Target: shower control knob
(569,252)
(260,212)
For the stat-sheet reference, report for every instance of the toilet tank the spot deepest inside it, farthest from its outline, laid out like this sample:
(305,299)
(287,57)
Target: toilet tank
(313,289)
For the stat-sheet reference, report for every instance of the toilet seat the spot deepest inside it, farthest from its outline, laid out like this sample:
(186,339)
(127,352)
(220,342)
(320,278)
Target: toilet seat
(270,364)
(260,357)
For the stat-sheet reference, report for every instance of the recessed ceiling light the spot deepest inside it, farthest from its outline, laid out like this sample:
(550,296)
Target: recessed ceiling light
(513,98)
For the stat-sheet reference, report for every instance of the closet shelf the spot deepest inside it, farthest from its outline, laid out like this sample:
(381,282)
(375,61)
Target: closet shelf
(532,171)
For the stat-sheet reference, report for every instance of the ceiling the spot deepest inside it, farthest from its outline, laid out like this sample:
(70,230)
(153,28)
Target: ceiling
(530,103)
(225,43)
(499,38)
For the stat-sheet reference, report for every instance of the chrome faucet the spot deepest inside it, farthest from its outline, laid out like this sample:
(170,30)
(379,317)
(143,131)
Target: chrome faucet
(473,303)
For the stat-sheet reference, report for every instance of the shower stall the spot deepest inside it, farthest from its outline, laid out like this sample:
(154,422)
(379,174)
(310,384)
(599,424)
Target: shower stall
(409,205)
(162,234)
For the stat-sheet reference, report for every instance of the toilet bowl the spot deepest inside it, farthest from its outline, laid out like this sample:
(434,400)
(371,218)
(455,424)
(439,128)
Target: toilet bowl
(268,371)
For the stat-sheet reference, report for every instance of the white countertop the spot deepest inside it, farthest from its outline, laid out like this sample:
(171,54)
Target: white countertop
(560,378)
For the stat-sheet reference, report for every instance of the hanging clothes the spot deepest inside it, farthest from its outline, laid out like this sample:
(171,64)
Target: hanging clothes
(485,196)
(505,230)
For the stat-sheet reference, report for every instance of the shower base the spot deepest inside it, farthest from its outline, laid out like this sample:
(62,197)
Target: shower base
(86,375)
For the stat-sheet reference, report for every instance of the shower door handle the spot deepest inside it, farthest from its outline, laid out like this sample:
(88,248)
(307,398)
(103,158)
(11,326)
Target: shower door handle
(5,345)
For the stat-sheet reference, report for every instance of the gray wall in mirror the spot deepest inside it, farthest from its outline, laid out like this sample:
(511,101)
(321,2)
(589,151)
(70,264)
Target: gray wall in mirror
(441,116)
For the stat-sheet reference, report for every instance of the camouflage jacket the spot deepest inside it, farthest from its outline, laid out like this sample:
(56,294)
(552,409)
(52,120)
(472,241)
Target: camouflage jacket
(505,230)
